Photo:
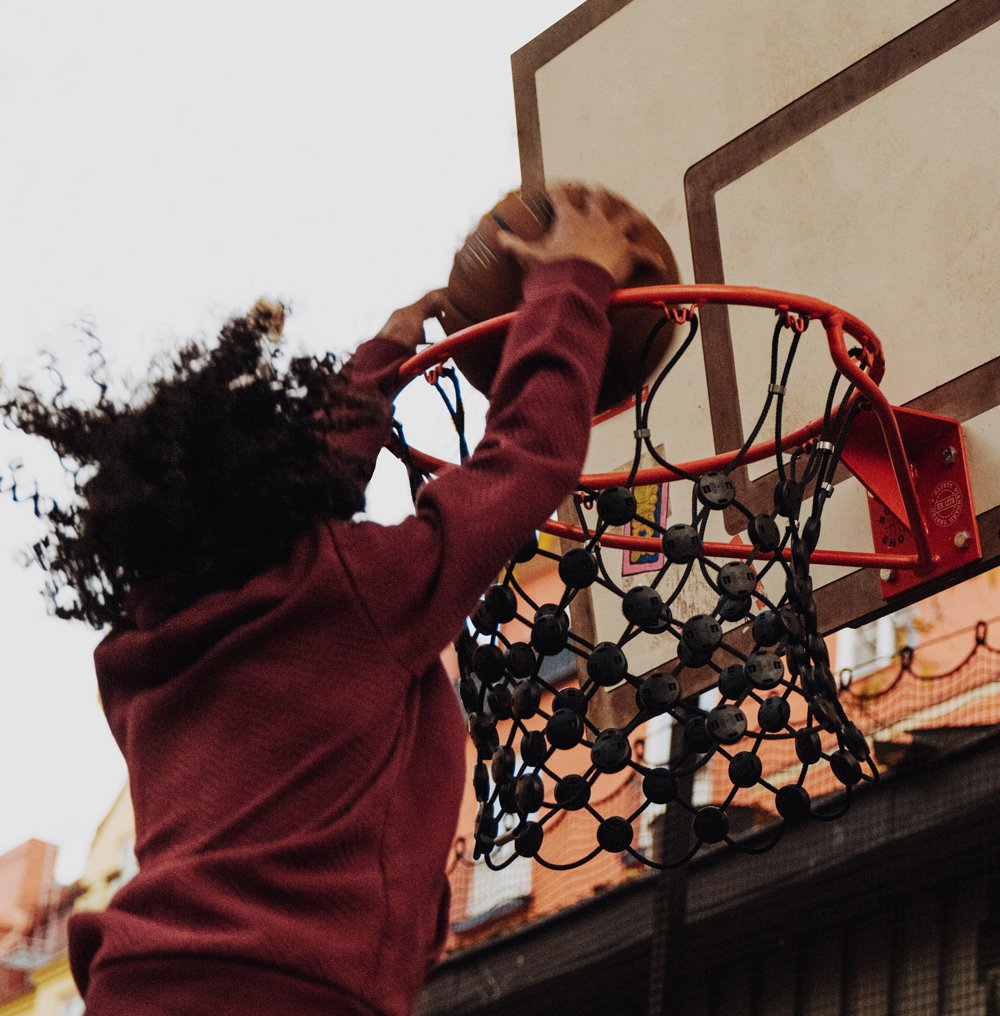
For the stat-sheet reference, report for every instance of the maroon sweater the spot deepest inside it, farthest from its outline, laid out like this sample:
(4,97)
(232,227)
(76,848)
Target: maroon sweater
(294,746)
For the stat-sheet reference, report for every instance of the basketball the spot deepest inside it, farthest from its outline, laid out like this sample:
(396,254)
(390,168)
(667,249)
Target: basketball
(485,281)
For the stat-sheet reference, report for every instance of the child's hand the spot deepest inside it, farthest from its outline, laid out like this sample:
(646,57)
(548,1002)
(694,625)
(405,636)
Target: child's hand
(587,232)
(406,325)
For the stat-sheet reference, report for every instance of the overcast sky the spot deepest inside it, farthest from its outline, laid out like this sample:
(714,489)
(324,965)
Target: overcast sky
(162,166)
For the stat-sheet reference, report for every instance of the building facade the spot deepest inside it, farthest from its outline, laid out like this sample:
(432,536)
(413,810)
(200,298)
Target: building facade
(892,909)
(35,978)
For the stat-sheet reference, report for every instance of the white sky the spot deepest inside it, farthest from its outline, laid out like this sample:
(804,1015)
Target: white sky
(161,166)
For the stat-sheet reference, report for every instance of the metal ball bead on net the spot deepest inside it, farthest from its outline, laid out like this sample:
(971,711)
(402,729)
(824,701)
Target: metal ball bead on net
(542,760)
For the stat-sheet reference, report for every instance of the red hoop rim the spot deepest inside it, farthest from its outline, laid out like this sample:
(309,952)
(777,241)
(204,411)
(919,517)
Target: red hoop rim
(691,298)
(865,372)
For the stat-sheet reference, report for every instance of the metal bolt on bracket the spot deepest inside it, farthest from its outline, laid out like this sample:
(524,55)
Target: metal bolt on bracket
(962,539)
(948,455)
(887,575)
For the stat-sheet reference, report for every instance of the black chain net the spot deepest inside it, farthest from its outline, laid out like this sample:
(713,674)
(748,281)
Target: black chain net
(530,732)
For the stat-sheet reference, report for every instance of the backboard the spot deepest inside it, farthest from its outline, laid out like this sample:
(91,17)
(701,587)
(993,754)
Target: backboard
(840,150)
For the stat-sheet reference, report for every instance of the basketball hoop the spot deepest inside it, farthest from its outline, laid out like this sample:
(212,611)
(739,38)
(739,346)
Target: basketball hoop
(759,642)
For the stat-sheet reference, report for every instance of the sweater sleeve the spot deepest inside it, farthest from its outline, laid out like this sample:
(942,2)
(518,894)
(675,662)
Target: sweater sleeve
(373,372)
(374,365)
(418,580)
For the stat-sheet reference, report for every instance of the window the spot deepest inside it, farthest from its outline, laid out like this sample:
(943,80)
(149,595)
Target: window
(702,788)
(659,731)
(873,646)
(492,893)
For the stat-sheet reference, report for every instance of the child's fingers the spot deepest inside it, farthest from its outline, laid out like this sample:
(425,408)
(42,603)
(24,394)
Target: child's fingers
(432,304)
(559,198)
(516,247)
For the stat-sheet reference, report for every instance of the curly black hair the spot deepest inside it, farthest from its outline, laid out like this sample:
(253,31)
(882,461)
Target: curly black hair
(207,481)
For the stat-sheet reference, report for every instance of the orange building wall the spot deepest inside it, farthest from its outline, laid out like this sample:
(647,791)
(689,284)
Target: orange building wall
(27,875)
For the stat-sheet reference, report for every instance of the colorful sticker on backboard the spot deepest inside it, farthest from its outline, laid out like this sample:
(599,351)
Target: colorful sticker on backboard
(651,503)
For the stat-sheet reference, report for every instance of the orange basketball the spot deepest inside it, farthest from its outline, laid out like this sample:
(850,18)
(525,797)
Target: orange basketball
(485,281)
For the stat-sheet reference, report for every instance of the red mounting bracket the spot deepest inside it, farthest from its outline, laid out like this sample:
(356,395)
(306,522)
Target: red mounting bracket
(934,447)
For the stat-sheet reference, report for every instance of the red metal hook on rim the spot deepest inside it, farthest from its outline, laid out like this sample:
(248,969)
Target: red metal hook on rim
(679,315)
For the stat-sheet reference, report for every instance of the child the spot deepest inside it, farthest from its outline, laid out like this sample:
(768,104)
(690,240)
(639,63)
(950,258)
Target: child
(272,673)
